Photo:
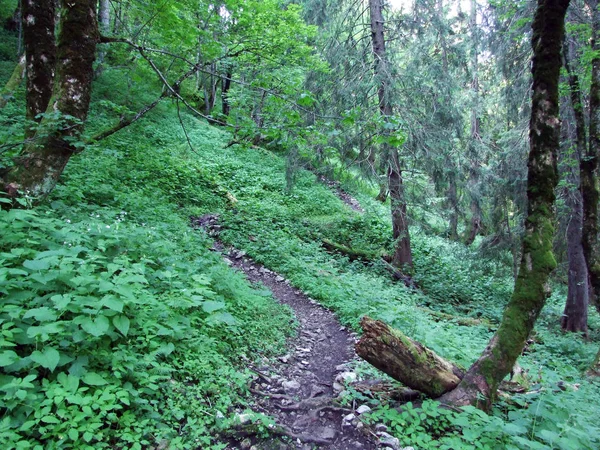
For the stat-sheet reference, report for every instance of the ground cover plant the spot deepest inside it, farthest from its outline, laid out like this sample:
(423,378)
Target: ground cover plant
(122,326)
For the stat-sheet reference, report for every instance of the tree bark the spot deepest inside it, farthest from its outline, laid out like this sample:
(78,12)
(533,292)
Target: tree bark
(574,317)
(406,360)
(475,222)
(226,85)
(575,314)
(589,165)
(104,27)
(402,254)
(42,161)
(480,384)
(40,52)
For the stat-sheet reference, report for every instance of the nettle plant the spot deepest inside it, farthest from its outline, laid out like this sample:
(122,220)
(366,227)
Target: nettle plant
(97,325)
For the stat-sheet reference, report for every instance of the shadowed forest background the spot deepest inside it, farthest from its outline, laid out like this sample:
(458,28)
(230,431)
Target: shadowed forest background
(406,162)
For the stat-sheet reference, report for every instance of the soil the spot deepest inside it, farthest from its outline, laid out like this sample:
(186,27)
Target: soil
(342,195)
(298,389)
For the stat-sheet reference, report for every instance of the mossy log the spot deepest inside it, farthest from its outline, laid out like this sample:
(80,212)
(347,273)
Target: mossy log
(406,360)
(460,320)
(351,253)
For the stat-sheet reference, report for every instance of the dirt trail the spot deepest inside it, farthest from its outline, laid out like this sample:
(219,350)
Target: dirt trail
(298,389)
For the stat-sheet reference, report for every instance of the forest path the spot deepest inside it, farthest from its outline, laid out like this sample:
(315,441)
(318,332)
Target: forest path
(298,389)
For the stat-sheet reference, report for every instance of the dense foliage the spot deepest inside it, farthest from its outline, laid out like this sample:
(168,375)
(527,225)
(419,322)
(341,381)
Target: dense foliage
(121,326)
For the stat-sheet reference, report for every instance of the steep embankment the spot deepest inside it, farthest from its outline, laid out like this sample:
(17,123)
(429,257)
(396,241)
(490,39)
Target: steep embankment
(128,325)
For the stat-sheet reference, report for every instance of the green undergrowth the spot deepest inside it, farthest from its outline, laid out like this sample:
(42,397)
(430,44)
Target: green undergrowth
(117,316)
(120,328)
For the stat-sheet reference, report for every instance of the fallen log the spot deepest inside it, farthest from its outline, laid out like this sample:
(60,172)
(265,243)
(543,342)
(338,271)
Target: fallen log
(352,253)
(406,360)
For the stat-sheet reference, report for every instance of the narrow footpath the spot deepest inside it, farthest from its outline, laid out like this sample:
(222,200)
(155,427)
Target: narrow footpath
(300,388)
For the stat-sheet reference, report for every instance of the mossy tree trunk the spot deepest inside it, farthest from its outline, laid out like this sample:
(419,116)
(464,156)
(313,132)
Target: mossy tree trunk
(40,53)
(42,161)
(480,384)
(402,257)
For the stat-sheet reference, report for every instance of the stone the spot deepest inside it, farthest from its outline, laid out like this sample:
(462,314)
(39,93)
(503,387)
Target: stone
(244,418)
(362,409)
(408,448)
(381,427)
(291,387)
(337,387)
(326,433)
(346,377)
(279,278)
(347,420)
(387,440)
(246,444)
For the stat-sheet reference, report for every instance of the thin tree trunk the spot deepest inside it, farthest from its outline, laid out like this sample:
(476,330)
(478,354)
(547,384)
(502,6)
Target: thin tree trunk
(13,82)
(226,85)
(475,222)
(453,206)
(41,163)
(40,52)
(589,165)
(104,27)
(574,317)
(480,384)
(402,254)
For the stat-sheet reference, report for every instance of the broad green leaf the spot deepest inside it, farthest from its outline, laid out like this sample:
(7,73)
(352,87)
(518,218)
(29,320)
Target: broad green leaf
(8,357)
(49,358)
(94,379)
(121,323)
(112,302)
(222,317)
(36,264)
(210,306)
(43,314)
(97,327)
(73,434)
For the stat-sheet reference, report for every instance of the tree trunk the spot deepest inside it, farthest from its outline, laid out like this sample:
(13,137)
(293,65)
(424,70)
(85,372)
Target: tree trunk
(13,82)
(452,196)
(226,85)
(406,360)
(40,52)
(402,254)
(574,317)
(589,165)
(475,222)
(41,163)
(480,384)
(104,27)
